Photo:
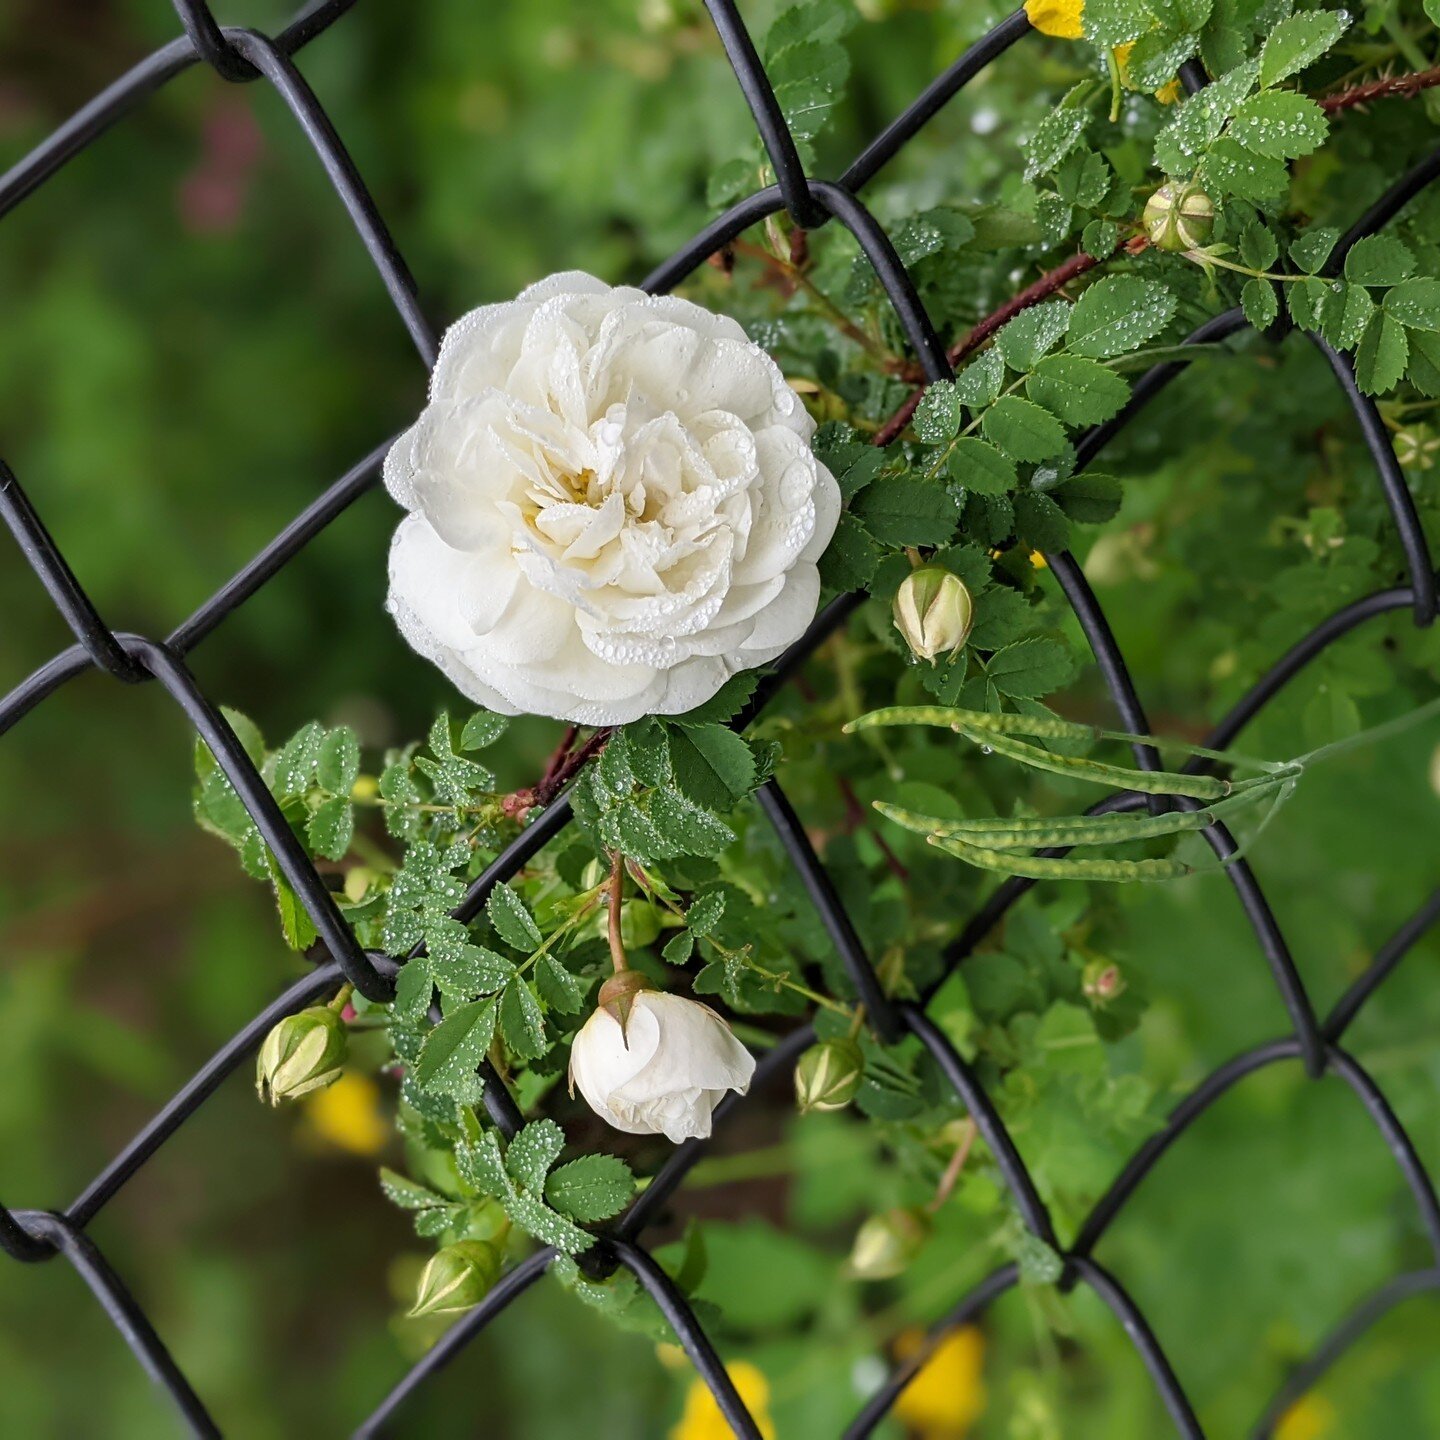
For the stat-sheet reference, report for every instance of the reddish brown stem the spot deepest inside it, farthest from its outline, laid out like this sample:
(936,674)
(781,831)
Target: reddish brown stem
(556,781)
(617,890)
(1046,286)
(1390,87)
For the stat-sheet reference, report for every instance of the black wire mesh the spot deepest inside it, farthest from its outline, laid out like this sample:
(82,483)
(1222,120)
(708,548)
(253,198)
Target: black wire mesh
(241,56)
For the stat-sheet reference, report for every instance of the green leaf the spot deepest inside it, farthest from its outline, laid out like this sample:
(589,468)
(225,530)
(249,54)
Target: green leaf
(1311,249)
(591,1189)
(851,558)
(521,1023)
(1118,314)
(1297,42)
(338,765)
(938,415)
(483,728)
(906,510)
(404,1192)
(1381,356)
(402,796)
(687,826)
(980,467)
(1258,247)
(535,1148)
(512,920)
(1230,169)
(1415,303)
(1030,668)
(295,764)
(1279,124)
(1033,333)
(1344,311)
(453,1050)
(1040,523)
(331,828)
(1198,121)
(679,948)
(1022,429)
(713,766)
(980,381)
(1109,23)
(1057,134)
(724,704)
(1088,498)
(705,912)
(1259,302)
(1425,361)
(1378,260)
(558,988)
(1079,391)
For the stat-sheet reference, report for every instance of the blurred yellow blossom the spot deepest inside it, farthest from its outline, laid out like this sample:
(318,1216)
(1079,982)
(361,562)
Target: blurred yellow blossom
(348,1115)
(702,1420)
(1056,17)
(947,1395)
(1311,1417)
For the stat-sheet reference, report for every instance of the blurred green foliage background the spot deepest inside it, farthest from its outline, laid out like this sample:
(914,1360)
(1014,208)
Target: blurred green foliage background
(193,346)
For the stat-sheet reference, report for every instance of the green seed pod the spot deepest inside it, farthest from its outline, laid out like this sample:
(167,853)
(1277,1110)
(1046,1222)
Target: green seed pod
(933,611)
(886,1243)
(828,1075)
(304,1052)
(457,1278)
(1179,216)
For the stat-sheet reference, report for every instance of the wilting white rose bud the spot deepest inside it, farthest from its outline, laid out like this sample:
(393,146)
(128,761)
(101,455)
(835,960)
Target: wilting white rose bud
(664,1070)
(613,506)
(304,1052)
(457,1278)
(933,611)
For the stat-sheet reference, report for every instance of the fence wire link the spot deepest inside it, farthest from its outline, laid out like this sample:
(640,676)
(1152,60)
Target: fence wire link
(243,56)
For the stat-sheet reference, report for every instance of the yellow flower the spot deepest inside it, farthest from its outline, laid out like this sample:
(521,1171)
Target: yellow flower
(1311,1417)
(947,1395)
(348,1116)
(702,1420)
(1056,17)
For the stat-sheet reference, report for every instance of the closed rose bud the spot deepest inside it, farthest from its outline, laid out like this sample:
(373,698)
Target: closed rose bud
(886,1243)
(1102,981)
(304,1052)
(827,1075)
(1179,217)
(933,611)
(457,1278)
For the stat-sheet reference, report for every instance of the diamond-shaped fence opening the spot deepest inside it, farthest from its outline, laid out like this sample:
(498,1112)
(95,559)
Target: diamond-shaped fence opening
(1315,1042)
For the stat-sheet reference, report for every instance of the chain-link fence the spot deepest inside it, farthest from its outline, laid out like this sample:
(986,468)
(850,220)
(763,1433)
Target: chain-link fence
(241,56)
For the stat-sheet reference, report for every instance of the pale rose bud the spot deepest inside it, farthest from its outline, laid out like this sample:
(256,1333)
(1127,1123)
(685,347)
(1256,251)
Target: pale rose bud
(886,1243)
(828,1075)
(933,611)
(304,1052)
(457,1278)
(664,1069)
(1179,217)
(1102,981)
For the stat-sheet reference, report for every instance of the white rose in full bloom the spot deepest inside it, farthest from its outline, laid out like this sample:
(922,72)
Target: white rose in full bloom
(613,506)
(665,1072)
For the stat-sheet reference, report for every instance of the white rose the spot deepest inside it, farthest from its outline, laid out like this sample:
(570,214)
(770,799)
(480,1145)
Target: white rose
(665,1072)
(613,506)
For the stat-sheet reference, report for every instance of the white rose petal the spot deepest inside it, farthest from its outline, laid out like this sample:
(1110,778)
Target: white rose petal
(665,1073)
(613,506)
